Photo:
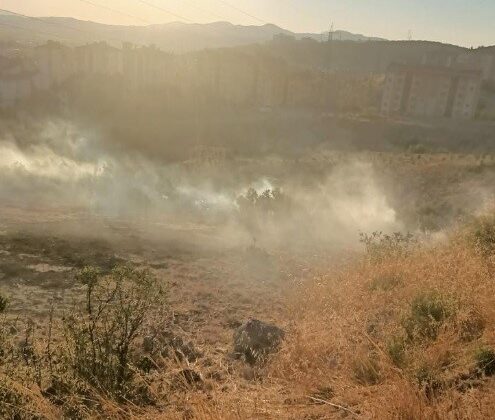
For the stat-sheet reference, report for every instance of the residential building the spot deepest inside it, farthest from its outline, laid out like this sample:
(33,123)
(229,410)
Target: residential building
(17,79)
(55,64)
(431,92)
(483,62)
(99,58)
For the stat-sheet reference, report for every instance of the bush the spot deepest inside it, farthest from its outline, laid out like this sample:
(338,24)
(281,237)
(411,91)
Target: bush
(428,313)
(101,337)
(396,349)
(471,325)
(380,246)
(485,361)
(483,235)
(429,381)
(256,209)
(3,304)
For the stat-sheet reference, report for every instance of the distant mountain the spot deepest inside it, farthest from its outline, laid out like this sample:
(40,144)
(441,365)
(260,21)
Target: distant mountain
(173,37)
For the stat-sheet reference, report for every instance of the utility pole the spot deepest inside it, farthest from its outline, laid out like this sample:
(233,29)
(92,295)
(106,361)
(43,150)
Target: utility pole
(330,33)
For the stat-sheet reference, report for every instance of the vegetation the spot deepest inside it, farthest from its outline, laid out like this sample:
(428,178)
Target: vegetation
(413,348)
(403,331)
(101,337)
(91,356)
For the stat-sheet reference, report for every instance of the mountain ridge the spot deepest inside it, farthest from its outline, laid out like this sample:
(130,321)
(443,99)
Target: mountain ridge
(171,36)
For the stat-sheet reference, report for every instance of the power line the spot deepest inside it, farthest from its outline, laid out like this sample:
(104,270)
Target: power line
(165,10)
(205,10)
(110,9)
(243,12)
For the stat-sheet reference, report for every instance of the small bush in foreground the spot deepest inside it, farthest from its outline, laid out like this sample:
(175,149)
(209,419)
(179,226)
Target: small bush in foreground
(3,304)
(101,337)
(429,381)
(396,349)
(485,361)
(483,235)
(380,246)
(471,325)
(427,314)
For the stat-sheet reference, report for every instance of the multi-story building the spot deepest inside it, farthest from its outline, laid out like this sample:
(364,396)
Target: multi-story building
(430,91)
(480,60)
(17,79)
(55,63)
(99,58)
(483,62)
(145,66)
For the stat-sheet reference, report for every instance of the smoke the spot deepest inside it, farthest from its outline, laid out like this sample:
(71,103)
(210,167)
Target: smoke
(61,165)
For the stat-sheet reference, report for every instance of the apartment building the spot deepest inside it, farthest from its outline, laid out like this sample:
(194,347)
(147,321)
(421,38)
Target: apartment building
(431,92)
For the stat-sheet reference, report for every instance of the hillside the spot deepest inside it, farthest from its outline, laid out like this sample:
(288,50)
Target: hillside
(176,36)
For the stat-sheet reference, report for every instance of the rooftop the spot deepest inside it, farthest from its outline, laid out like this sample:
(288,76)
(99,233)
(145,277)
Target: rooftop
(433,70)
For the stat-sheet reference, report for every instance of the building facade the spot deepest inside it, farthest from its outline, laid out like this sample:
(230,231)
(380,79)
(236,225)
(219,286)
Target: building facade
(431,92)
(17,79)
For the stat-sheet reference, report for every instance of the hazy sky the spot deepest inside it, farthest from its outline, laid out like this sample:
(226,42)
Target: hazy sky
(464,22)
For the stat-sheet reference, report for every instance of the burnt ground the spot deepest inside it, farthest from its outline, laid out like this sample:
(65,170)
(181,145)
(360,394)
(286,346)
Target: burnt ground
(208,288)
(211,291)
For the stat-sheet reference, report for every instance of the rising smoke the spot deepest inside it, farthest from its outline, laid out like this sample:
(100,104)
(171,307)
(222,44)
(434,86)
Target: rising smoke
(57,164)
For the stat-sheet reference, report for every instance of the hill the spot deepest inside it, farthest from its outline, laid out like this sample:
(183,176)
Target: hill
(175,36)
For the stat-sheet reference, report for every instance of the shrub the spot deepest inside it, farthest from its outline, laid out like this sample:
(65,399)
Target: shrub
(428,312)
(471,325)
(429,381)
(483,235)
(380,246)
(101,337)
(396,349)
(256,209)
(485,361)
(3,304)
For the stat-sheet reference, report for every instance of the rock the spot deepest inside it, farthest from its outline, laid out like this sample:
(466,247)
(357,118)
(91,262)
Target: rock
(255,340)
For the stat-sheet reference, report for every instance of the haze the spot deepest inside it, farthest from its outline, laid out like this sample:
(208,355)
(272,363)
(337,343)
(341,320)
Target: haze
(241,210)
(462,22)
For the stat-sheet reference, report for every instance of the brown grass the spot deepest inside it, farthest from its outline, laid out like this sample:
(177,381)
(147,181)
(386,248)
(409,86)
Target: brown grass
(388,338)
(344,324)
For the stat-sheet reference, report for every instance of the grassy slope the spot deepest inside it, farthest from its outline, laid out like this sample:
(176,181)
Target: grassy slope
(347,322)
(389,337)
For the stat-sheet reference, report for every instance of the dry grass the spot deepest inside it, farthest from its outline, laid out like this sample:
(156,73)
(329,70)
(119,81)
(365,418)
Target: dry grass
(353,337)
(395,337)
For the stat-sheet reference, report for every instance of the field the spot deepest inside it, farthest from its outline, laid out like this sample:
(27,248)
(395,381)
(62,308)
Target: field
(393,327)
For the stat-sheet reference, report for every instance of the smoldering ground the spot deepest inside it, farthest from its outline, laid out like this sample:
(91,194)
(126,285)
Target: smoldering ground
(58,164)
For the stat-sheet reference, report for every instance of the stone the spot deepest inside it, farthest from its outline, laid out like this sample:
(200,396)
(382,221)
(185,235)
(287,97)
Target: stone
(255,339)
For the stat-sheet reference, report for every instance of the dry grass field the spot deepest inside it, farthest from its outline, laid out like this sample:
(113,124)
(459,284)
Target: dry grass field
(400,328)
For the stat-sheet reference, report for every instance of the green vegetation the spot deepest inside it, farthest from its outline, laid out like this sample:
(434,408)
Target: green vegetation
(380,246)
(485,361)
(101,336)
(483,235)
(428,312)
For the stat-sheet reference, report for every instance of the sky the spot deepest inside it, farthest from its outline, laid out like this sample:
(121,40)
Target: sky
(462,22)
